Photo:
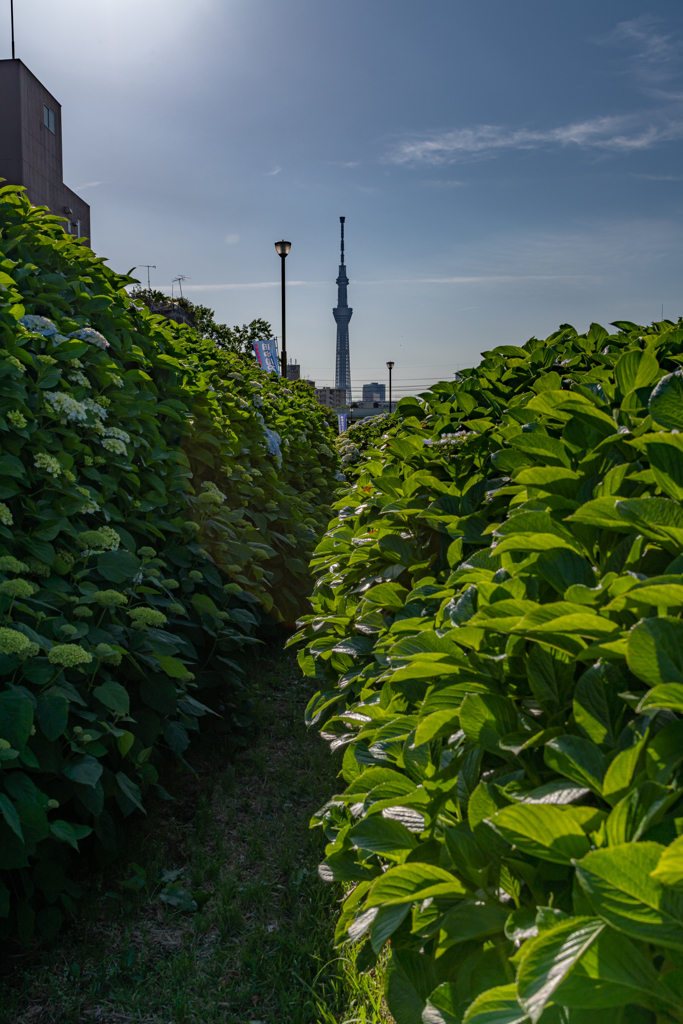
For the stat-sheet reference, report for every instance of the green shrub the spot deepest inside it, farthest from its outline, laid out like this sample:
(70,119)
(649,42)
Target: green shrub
(354,442)
(154,496)
(498,643)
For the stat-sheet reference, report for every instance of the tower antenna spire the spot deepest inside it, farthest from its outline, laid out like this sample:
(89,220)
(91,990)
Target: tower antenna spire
(341,221)
(11,15)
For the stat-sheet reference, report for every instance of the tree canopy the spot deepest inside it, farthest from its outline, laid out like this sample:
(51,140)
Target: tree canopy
(231,339)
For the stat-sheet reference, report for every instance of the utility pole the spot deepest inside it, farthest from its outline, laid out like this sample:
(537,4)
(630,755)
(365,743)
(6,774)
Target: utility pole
(390,366)
(180,278)
(148,267)
(282,249)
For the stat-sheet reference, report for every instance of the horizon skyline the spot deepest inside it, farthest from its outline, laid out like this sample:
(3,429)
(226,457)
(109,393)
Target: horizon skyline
(521,171)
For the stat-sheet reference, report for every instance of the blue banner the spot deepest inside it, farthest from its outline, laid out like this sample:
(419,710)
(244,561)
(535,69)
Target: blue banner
(266,353)
(341,421)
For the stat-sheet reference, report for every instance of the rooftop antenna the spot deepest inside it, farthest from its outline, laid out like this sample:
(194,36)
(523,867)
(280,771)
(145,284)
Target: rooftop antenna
(180,278)
(148,267)
(11,14)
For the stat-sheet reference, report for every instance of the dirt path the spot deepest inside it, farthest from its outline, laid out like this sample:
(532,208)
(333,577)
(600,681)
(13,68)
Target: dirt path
(236,842)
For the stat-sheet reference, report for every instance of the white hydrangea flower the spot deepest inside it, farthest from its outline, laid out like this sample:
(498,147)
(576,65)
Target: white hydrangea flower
(47,462)
(66,406)
(17,419)
(115,432)
(92,336)
(115,379)
(114,445)
(5,515)
(79,378)
(90,505)
(94,542)
(210,494)
(95,408)
(4,354)
(39,325)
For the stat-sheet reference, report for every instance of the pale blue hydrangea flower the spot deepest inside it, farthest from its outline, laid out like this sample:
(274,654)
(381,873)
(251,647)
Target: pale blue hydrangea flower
(39,325)
(92,336)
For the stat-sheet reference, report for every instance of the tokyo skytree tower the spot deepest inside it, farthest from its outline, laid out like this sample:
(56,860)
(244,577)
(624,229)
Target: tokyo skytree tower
(342,313)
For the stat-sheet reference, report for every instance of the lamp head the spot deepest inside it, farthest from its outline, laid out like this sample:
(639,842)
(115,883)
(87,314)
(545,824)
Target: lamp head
(390,365)
(282,248)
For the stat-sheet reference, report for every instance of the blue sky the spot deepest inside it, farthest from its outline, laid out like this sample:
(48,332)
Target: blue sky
(503,168)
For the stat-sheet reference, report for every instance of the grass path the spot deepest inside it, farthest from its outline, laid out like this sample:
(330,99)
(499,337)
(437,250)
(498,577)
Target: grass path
(236,839)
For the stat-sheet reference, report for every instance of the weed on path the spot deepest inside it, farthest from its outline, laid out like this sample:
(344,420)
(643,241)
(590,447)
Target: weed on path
(219,916)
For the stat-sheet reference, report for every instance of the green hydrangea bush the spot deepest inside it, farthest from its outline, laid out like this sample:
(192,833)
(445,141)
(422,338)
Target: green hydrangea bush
(498,645)
(156,501)
(352,444)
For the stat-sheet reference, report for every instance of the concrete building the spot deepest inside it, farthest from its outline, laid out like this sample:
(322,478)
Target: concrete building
(31,146)
(333,398)
(172,311)
(293,371)
(374,392)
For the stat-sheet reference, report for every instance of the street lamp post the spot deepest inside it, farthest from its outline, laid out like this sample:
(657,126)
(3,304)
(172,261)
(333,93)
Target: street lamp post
(391,366)
(282,249)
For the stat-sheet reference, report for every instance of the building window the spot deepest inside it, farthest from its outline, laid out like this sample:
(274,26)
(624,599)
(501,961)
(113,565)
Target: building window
(49,118)
(78,229)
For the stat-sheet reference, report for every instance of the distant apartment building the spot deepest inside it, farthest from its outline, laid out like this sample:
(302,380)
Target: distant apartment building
(293,371)
(333,398)
(31,146)
(374,392)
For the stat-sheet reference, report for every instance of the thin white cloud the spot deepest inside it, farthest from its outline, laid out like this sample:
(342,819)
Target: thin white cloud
(88,184)
(653,55)
(620,134)
(270,174)
(660,177)
(236,286)
(436,183)
(232,238)
(469,279)
(473,279)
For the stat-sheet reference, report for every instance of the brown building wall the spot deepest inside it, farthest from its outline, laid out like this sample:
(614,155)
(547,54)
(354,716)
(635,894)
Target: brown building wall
(30,153)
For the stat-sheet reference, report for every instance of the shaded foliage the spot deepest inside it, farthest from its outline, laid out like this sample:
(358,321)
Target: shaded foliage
(157,500)
(497,640)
